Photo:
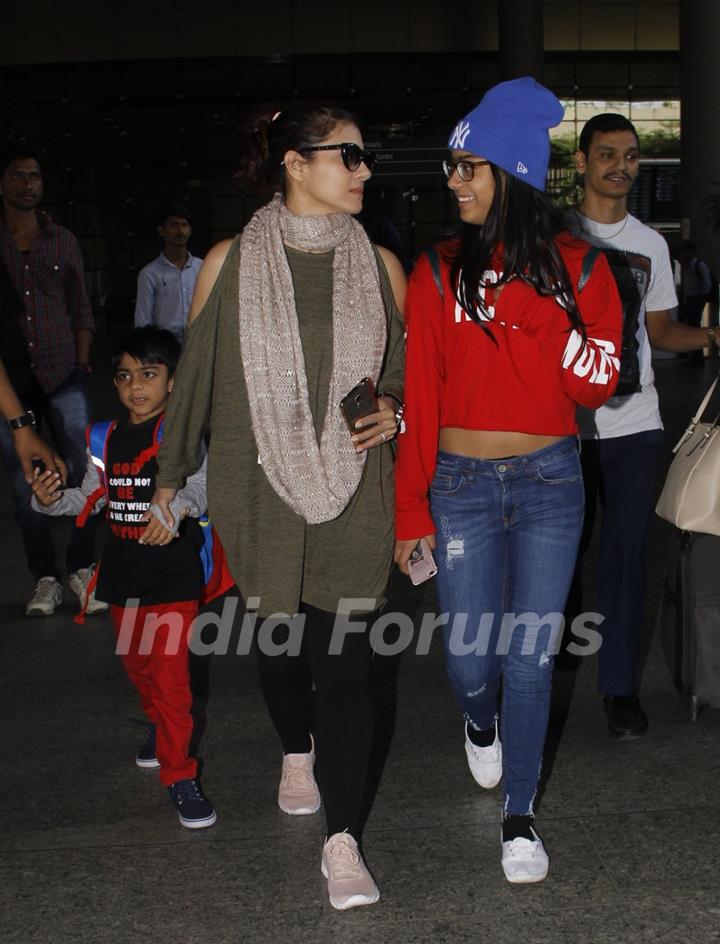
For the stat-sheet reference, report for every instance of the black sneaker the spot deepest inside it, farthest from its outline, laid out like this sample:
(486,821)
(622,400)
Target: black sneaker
(147,755)
(194,810)
(626,719)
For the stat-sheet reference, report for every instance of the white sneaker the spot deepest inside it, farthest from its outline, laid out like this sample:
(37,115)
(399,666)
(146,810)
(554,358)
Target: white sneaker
(525,860)
(298,793)
(349,882)
(79,583)
(485,763)
(48,594)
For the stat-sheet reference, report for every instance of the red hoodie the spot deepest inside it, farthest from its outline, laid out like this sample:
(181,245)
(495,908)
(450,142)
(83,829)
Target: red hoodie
(528,382)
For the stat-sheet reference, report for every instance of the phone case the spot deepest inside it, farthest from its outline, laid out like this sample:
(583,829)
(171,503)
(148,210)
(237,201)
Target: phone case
(361,401)
(421,564)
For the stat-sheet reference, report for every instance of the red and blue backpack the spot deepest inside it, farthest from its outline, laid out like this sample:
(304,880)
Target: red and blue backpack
(217,579)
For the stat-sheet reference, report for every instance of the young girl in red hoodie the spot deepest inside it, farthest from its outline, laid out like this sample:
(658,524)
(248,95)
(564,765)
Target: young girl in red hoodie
(509,326)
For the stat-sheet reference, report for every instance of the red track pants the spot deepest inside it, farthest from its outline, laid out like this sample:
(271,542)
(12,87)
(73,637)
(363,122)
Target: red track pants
(155,655)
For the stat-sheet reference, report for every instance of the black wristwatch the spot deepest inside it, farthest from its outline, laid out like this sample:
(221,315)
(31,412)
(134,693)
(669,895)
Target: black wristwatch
(27,419)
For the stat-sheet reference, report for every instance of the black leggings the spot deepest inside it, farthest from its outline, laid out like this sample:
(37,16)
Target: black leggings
(340,714)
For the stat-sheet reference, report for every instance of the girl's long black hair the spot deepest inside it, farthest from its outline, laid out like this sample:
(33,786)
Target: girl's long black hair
(526,223)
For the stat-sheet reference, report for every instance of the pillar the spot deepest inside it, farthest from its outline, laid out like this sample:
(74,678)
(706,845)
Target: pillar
(520,38)
(700,122)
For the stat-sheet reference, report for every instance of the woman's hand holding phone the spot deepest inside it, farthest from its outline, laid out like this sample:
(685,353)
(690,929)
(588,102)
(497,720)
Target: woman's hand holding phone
(405,549)
(377,428)
(371,419)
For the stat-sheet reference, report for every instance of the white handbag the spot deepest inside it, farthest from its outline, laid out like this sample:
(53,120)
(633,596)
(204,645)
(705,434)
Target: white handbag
(690,497)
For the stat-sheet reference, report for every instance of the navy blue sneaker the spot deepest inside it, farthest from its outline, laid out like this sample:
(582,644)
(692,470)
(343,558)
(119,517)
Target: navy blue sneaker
(194,810)
(147,755)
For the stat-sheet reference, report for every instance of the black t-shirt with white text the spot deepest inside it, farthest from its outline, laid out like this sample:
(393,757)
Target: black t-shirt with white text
(164,574)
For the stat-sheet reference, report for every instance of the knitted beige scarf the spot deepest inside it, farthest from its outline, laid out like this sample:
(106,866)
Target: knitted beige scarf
(316,481)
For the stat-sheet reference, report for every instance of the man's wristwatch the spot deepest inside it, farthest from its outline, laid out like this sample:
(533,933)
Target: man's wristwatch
(711,335)
(26,419)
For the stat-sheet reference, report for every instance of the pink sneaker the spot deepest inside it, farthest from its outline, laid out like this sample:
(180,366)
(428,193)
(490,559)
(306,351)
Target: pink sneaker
(298,792)
(349,882)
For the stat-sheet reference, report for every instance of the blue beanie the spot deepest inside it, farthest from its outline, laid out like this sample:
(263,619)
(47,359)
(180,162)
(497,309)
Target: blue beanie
(510,128)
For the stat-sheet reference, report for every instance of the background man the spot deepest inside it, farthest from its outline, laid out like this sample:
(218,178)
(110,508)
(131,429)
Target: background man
(165,286)
(622,440)
(45,335)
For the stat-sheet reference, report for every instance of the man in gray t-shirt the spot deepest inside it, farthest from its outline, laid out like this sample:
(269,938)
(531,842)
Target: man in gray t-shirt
(622,440)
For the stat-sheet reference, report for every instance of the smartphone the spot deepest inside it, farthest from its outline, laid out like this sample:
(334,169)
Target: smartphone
(421,563)
(360,402)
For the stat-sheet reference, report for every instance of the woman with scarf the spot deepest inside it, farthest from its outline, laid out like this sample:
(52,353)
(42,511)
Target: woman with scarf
(287,318)
(509,327)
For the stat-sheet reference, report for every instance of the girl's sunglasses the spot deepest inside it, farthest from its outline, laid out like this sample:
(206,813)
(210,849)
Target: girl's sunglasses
(352,155)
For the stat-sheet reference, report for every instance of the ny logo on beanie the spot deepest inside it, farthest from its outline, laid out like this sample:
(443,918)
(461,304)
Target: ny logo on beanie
(457,138)
(510,129)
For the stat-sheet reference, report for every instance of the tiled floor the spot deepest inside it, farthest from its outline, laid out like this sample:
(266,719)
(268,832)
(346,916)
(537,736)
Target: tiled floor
(92,852)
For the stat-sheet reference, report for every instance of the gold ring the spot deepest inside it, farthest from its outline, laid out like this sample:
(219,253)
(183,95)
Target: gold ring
(382,436)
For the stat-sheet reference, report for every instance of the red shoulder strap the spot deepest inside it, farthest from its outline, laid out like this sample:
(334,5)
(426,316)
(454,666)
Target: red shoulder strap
(90,502)
(153,450)
(92,583)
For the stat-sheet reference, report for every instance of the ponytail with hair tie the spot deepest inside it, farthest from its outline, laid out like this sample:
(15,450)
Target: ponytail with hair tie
(267,139)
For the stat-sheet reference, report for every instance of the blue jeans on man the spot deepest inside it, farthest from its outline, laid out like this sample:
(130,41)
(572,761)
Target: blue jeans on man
(507,535)
(66,411)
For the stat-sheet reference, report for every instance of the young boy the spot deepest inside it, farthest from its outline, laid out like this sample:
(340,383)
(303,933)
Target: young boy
(150,575)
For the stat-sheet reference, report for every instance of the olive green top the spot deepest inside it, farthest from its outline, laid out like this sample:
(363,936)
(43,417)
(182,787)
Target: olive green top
(273,553)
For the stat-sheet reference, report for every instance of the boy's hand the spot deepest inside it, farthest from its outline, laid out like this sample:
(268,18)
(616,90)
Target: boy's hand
(156,533)
(162,498)
(29,446)
(45,485)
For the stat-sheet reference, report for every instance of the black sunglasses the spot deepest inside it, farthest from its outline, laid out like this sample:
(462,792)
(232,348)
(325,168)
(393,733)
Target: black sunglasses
(352,154)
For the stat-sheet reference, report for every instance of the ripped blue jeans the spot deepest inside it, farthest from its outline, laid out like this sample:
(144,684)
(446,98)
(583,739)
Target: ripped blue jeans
(507,538)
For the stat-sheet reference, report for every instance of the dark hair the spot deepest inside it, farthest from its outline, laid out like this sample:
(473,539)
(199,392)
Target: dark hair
(526,223)
(173,208)
(16,151)
(149,345)
(604,124)
(270,134)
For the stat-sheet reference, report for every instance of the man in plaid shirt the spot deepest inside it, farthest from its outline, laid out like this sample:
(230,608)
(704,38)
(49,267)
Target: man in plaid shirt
(46,328)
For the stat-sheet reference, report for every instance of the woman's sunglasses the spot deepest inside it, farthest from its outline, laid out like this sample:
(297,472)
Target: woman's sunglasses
(464,168)
(352,154)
